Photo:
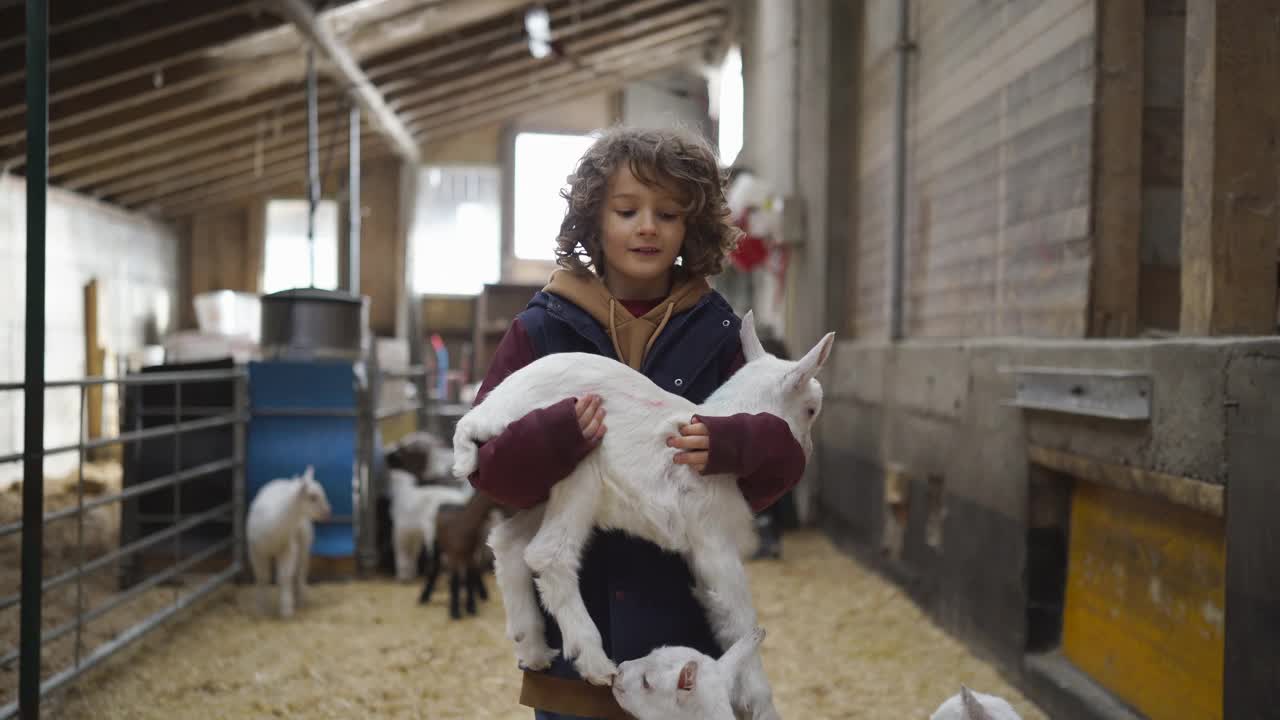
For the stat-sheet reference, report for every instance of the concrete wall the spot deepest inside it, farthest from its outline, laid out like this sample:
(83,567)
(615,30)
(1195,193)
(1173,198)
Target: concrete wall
(674,97)
(937,413)
(135,261)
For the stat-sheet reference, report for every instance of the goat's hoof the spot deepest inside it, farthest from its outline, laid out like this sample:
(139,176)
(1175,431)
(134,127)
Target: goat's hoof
(595,667)
(535,655)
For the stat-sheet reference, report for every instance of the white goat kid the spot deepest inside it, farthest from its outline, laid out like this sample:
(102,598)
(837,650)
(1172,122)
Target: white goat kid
(630,483)
(280,532)
(970,705)
(413,518)
(680,683)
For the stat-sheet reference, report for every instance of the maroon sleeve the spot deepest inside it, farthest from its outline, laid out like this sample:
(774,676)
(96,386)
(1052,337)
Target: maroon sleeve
(518,467)
(760,450)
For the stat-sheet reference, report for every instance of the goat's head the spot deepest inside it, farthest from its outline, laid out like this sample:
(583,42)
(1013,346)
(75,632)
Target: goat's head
(785,388)
(680,682)
(312,495)
(970,705)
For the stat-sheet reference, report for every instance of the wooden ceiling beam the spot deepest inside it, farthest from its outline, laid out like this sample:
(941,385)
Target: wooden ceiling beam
(476,114)
(63,15)
(513,76)
(170,141)
(122,35)
(507,37)
(549,99)
(381,116)
(412,72)
(213,148)
(136,80)
(230,192)
(245,160)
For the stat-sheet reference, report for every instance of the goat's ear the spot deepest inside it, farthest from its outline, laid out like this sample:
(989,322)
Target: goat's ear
(973,710)
(732,660)
(809,365)
(310,473)
(687,680)
(751,347)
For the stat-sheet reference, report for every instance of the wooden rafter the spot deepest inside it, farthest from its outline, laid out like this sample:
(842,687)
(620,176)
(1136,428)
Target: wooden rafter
(447,98)
(509,105)
(497,111)
(382,116)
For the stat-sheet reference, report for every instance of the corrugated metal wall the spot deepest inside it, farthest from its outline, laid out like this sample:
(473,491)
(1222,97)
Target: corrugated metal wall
(999,158)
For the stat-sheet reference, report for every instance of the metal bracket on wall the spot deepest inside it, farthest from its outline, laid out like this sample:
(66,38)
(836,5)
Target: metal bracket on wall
(1113,394)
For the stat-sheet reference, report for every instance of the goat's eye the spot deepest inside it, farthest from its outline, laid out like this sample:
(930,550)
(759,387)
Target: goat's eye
(812,412)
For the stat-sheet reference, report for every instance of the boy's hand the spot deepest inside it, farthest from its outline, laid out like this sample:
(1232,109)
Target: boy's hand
(695,442)
(590,409)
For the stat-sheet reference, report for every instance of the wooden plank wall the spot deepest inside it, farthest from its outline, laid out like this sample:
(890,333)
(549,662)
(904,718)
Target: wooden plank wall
(998,169)
(1160,279)
(873,173)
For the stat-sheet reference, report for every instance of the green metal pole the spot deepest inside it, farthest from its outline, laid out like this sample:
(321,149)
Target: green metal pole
(33,392)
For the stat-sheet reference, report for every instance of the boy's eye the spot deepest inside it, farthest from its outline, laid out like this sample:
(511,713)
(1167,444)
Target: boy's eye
(625,213)
(669,216)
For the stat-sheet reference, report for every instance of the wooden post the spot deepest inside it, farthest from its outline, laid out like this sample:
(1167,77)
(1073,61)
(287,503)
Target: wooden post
(94,361)
(1117,179)
(1229,216)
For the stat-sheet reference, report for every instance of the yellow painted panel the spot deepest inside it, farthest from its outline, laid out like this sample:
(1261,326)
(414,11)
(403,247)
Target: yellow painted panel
(1145,601)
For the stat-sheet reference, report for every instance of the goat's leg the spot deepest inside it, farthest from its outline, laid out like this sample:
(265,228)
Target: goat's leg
(455,588)
(260,561)
(472,575)
(286,568)
(724,593)
(406,543)
(433,572)
(306,534)
(554,556)
(525,627)
(481,591)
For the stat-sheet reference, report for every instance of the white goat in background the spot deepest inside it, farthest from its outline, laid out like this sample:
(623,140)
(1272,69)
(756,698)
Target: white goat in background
(414,511)
(680,683)
(630,483)
(279,530)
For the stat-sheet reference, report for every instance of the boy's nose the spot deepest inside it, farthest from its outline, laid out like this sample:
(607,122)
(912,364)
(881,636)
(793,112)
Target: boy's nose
(647,225)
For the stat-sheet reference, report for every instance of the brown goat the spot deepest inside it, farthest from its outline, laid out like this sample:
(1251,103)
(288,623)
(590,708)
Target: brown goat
(460,545)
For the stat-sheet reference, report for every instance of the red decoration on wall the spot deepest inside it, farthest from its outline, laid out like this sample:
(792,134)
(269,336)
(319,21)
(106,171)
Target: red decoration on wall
(752,250)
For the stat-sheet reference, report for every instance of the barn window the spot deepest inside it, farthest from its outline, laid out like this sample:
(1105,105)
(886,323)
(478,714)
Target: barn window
(542,163)
(456,231)
(286,261)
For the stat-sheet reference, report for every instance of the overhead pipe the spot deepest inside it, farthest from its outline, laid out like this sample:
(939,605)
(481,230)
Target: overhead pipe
(313,161)
(897,239)
(353,201)
(37,171)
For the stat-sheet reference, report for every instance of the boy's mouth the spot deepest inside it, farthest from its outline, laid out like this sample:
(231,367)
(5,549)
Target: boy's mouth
(647,250)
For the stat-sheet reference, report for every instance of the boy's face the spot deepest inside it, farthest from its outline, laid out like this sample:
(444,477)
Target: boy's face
(642,231)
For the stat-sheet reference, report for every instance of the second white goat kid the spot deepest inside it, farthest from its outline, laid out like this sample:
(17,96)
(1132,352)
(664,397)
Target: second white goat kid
(279,530)
(413,518)
(680,683)
(630,483)
(970,705)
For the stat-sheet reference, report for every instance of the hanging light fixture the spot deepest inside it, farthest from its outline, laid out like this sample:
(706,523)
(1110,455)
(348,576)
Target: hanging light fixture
(537,26)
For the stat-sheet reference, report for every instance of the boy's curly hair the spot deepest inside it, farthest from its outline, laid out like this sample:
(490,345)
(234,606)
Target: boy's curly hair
(674,158)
